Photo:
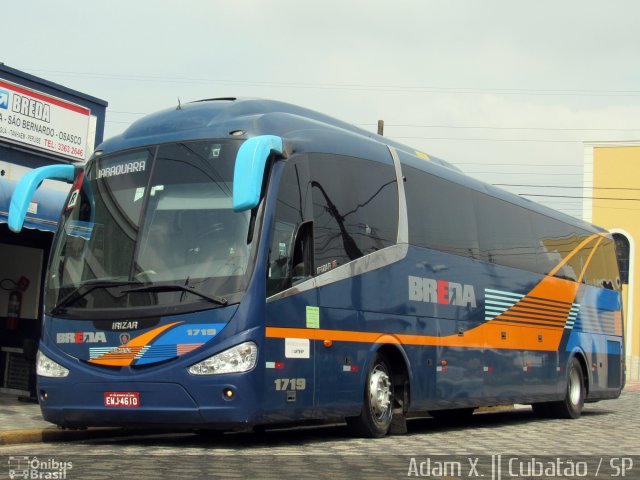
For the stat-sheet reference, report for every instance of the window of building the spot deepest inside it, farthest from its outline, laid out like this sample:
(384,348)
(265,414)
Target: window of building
(622,254)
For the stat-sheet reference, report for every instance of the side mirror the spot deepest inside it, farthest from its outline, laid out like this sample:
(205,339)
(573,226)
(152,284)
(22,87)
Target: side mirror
(249,170)
(26,187)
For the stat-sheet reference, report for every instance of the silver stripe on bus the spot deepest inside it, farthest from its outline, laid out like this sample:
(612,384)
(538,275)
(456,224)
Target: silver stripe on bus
(368,263)
(403,222)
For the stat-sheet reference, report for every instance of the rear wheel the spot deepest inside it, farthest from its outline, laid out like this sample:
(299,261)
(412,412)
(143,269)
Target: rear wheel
(573,402)
(377,409)
(575,393)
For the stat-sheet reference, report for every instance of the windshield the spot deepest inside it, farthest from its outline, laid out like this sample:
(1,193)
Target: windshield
(159,216)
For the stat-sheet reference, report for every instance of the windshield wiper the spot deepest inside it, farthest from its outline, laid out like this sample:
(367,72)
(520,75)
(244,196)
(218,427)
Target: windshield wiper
(85,288)
(176,287)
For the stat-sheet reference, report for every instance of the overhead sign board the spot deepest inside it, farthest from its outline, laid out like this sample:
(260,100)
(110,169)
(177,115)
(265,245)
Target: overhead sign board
(34,119)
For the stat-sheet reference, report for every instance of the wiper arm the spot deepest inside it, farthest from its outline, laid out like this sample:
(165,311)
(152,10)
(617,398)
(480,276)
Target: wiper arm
(176,287)
(85,288)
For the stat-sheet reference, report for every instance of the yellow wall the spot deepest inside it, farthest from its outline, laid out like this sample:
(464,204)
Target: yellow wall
(619,167)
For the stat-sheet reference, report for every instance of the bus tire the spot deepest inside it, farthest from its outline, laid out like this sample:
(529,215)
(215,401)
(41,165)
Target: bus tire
(575,393)
(377,409)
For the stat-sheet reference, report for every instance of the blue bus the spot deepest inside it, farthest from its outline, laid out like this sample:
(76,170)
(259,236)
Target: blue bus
(237,263)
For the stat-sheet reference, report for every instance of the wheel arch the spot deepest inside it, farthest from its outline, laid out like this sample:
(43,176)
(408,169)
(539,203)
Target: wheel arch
(401,369)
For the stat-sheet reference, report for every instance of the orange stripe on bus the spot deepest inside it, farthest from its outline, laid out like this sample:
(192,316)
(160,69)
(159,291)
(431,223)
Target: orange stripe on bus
(487,335)
(135,345)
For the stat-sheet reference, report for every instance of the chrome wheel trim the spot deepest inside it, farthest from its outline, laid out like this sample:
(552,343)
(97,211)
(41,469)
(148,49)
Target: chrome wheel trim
(575,388)
(380,393)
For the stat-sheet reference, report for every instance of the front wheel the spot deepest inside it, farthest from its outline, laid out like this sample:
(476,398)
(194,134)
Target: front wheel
(377,410)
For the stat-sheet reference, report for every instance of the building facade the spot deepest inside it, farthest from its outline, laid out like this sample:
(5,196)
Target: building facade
(612,200)
(41,123)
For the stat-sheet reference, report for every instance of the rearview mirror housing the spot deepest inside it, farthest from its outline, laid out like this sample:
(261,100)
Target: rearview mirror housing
(248,174)
(27,186)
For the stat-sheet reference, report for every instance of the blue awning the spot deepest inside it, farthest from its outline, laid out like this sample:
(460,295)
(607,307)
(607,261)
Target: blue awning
(45,210)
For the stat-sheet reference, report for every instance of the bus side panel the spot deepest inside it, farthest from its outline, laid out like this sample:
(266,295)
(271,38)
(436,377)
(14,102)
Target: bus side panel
(341,366)
(290,379)
(434,304)
(444,312)
(598,332)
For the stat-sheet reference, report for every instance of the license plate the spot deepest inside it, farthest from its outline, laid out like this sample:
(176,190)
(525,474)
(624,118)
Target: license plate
(122,399)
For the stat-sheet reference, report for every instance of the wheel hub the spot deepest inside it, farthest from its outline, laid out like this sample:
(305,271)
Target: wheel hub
(379,392)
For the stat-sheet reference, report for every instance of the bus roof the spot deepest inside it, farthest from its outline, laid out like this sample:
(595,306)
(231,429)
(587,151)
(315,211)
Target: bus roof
(303,130)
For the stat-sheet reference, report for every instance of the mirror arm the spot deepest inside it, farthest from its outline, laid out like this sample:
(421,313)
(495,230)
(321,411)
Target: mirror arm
(27,186)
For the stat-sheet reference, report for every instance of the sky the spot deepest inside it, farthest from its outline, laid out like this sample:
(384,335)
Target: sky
(506,90)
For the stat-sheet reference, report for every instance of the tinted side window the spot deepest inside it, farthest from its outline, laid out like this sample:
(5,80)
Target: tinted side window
(441,214)
(504,233)
(556,240)
(291,211)
(610,258)
(602,269)
(622,249)
(355,208)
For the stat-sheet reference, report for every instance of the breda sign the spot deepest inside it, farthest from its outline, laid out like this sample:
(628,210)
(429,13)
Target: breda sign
(48,123)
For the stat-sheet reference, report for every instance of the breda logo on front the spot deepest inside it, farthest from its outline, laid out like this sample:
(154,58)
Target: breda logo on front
(441,292)
(81,337)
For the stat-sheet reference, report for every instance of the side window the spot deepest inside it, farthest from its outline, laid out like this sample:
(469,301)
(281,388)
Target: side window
(292,211)
(441,214)
(601,271)
(579,259)
(559,241)
(281,249)
(611,260)
(622,253)
(556,240)
(355,208)
(504,233)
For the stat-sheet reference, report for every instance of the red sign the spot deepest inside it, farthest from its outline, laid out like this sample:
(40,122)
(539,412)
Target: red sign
(122,399)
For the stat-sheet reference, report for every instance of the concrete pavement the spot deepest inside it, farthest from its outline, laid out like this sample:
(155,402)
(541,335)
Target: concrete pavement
(22,422)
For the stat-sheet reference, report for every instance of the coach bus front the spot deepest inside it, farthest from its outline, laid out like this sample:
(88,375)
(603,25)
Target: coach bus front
(145,321)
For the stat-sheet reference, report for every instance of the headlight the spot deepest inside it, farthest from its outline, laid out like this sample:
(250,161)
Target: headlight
(45,367)
(240,358)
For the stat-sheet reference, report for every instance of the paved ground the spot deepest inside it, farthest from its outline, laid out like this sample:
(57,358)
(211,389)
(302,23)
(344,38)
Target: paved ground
(17,415)
(606,437)
(607,430)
